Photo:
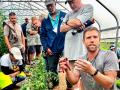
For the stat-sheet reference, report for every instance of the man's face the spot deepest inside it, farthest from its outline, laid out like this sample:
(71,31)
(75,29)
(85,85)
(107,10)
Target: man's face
(35,22)
(13,58)
(92,40)
(13,19)
(26,20)
(51,8)
(74,5)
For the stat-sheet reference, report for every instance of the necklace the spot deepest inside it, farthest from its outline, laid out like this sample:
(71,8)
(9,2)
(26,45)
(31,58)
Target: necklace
(93,62)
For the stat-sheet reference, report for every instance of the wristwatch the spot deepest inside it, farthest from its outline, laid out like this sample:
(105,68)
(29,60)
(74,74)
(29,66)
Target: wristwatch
(96,72)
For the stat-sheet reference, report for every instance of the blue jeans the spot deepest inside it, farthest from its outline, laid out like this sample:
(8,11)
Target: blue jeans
(18,79)
(52,62)
(51,65)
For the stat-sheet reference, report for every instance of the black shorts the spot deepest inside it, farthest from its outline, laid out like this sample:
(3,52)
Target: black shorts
(34,48)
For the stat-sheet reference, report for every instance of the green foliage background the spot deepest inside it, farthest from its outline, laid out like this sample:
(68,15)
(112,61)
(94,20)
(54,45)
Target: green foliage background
(3,48)
(106,45)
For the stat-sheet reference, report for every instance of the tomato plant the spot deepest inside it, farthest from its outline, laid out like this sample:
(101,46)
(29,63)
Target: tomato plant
(40,79)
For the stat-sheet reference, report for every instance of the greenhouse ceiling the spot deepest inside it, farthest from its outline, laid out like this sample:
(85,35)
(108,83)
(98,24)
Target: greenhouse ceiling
(29,8)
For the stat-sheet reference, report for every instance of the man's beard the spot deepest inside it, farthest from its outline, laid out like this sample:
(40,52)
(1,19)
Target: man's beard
(92,48)
(14,22)
(53,12)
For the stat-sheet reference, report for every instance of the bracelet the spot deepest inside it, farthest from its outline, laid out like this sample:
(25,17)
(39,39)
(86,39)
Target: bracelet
(96,72)
(66,23)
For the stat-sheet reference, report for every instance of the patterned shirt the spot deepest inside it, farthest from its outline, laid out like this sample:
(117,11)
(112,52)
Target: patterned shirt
(32,39)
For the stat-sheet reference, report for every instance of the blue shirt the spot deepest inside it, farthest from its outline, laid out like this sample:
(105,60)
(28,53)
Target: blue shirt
(55,21)
(49,38)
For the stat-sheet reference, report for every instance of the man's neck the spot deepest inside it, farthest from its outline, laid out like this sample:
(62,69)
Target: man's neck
(79,7)
(92,55)
(53,15)
(13,23)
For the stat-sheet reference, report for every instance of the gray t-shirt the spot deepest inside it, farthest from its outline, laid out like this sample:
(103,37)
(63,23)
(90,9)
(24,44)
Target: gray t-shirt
(14,41)
(74,47)
(105,61)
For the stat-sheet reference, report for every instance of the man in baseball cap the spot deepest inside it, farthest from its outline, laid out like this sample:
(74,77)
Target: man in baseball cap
(52,22)
(47,2)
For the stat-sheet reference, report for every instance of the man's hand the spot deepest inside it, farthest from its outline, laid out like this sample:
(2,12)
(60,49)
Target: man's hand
(64,64)
(16,68)
(74,22)
(14,74)
(32,32)
(23,49)
(80,28)
(85,66)
(49,52)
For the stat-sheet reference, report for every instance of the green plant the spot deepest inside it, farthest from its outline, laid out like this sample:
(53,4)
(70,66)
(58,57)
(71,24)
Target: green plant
(3,48)
(38,79)
(52,77)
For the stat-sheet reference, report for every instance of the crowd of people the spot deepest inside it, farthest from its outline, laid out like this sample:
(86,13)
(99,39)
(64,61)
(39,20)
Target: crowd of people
(68,40)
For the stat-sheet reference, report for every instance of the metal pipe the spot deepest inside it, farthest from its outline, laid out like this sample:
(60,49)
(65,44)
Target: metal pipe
(98,24)
(117,32)
(27,1)
(62,6)
(111,28)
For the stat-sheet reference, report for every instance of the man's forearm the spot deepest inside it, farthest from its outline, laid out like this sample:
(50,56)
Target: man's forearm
(65,28)
(7,42)
(23,40)
(71,77)
(14,74)
(73,23)
(104,80)
(33,32)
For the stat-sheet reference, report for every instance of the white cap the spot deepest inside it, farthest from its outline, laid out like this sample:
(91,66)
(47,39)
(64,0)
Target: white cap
(112,46)
(16,53)
(47,2)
